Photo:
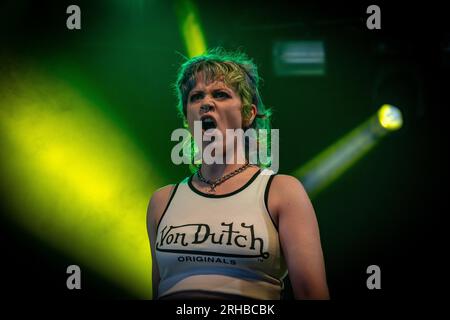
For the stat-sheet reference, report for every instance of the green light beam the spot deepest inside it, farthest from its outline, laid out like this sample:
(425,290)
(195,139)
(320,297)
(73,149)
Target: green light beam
(75,180)
(330,164)
(190,27)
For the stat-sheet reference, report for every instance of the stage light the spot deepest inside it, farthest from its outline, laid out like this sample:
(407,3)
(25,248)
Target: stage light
(299,58)
(330,164)
(390,117)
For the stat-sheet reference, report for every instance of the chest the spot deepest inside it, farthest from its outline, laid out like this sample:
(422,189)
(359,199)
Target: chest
(234,226)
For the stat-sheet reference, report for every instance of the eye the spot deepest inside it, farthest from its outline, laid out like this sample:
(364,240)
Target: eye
(195,97)
(221,94)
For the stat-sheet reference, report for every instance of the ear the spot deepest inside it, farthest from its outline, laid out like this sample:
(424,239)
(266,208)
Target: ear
(247,122)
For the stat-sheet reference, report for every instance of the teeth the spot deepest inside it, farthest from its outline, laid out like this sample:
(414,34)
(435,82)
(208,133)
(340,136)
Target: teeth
(207,120)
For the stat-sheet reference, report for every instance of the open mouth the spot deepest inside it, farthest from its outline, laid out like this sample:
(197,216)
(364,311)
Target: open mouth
(208,123)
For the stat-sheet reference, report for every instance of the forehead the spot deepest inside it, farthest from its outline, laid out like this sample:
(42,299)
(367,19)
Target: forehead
(202,83)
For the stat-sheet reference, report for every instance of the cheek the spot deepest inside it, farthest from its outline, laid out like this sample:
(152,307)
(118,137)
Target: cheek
(234,119)
(190,117)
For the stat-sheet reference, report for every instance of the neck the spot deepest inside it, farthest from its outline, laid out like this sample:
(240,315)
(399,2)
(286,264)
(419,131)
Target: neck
(215,171)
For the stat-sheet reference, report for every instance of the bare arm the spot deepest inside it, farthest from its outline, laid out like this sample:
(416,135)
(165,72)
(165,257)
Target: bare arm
(300,238)
(155,210)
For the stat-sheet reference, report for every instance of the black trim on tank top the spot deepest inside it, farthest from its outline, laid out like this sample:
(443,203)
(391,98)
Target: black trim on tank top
(167,206)
(266,199)
(207,195)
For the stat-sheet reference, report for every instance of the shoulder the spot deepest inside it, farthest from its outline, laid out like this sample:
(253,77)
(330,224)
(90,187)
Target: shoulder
(287,192)
(287,185)
(158,202)
(161,194)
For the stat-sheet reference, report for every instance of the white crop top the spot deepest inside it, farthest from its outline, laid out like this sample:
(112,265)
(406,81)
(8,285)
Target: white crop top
(220,244)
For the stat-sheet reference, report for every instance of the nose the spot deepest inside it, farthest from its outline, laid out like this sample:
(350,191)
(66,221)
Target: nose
(206,107)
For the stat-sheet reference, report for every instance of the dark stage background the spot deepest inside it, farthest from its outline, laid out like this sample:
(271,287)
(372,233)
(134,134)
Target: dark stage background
(386,209)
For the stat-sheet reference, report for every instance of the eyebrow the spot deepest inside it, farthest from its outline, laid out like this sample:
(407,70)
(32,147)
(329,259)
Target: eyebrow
(215,89)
